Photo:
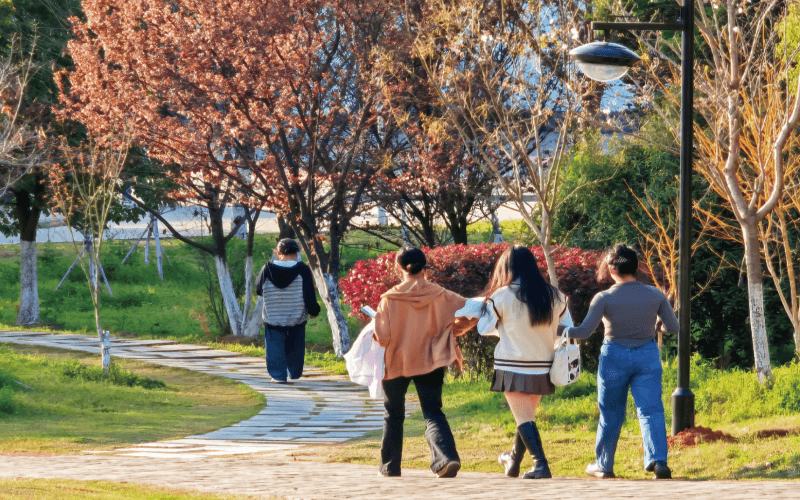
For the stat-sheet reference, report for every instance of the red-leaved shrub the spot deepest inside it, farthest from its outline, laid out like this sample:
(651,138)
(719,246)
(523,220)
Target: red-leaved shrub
(465,269)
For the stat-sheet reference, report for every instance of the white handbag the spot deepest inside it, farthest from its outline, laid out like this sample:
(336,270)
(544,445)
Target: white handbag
(566,367)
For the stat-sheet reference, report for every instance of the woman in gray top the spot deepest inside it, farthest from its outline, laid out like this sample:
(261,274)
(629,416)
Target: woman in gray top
(629,358)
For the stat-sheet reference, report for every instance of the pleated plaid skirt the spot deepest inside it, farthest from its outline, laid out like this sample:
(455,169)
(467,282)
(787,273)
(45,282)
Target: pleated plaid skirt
(505,381)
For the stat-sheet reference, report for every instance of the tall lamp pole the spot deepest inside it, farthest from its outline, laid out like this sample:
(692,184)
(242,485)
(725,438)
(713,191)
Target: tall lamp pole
(598,61)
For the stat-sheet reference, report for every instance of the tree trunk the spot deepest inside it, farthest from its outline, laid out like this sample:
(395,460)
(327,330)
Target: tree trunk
(459,232)
(29,289)
(543,233)
(228,294)
(94,288)
(457,210)
(252,218)
(105,350)
(28,217)
(547,248)
(755,292)
(248,289)
(252,326)
(328,286)
(424,228)
(159,261)
(235,320)
(285,229)
(147,242)
(796,335)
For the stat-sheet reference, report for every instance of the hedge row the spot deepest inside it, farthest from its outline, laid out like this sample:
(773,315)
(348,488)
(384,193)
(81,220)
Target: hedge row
(465,269)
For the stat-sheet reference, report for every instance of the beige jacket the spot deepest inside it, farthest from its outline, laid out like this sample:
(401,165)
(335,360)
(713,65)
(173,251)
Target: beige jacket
(414,323)
(524,348)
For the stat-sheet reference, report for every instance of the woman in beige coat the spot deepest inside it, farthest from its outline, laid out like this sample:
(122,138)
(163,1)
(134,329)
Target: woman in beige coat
(414,323)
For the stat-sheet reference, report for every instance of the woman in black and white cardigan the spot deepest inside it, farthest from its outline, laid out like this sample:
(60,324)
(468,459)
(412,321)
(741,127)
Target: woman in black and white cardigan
(528,310)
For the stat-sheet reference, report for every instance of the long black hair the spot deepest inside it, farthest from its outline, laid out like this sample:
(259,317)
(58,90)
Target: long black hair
(518,263)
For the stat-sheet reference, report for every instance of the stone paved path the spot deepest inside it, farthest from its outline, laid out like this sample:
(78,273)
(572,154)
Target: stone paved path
(264,476)
(317,409)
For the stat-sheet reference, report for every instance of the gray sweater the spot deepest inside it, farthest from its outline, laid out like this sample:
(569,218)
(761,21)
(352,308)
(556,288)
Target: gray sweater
(288,292)
(629,312)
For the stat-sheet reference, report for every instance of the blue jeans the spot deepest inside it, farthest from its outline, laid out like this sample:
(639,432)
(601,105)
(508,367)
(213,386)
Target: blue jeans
(286,350)
(640,369)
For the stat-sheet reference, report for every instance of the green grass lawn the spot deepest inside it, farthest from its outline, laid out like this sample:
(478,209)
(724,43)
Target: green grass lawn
(729,401)
(69,414)
(69,489)
(142,303)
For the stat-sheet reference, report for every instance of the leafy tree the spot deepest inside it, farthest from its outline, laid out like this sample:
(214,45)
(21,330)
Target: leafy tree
(433,181)
(262,100)
(85,192)
(744,126)
(503,79)
(39,29)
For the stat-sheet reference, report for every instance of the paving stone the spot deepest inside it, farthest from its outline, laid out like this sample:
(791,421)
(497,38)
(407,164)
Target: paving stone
(182,347)
(23,334)
(145,343)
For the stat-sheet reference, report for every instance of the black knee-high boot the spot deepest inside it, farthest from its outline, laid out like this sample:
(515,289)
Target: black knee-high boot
(533,441)
(511,461)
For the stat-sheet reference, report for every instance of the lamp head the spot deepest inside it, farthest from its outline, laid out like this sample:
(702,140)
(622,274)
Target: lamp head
(604,61)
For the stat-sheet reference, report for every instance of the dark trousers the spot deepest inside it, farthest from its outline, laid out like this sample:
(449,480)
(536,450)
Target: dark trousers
(286,350)
(438,433)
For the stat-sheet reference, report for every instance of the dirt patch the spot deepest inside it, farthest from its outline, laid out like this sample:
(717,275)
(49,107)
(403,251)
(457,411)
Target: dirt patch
(696,435)
(257,341)
(768,433)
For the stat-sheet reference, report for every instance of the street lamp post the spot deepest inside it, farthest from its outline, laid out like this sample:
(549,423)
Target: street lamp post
(682,398)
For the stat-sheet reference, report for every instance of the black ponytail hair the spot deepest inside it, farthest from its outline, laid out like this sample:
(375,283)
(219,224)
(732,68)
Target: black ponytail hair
(412,259)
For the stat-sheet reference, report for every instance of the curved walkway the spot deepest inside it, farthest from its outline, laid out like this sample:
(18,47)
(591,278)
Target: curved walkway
(318,409)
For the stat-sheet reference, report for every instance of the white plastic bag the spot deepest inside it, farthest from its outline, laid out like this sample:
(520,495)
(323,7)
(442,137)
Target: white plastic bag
(365,363)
